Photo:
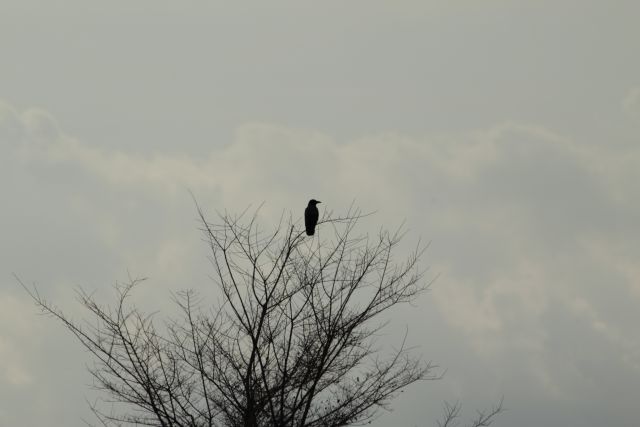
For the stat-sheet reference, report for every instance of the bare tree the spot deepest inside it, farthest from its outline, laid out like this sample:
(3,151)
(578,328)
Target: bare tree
(291,341)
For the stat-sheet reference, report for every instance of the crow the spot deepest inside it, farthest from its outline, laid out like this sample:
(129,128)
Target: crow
(311,215)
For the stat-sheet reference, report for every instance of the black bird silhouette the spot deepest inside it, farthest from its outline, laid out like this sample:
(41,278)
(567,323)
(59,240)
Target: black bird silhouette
(311,215)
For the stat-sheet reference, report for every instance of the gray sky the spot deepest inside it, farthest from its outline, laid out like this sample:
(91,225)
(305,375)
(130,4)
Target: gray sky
(505,132)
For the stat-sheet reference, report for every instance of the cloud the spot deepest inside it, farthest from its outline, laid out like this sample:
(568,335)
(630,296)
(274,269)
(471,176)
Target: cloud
(533,232)
(11,127)
(16,345)
(631,102)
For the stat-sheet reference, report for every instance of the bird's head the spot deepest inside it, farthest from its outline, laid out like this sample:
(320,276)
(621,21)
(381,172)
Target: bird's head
(314,202)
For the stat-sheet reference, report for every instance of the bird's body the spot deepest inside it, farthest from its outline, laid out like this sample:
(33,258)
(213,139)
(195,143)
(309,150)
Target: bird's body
(311,216)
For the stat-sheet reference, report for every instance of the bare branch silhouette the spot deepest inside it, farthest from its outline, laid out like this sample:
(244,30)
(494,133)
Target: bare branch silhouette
(484,418)
(290,343)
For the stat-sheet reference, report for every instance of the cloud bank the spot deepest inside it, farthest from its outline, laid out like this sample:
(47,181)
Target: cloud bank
(534,235)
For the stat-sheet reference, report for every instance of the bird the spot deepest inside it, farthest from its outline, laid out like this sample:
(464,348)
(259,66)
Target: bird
(311,215)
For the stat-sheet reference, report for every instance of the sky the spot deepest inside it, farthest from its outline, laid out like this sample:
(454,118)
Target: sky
(505,133)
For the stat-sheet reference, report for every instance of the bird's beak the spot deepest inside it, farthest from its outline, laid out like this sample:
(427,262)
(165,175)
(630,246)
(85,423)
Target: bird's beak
(318,201)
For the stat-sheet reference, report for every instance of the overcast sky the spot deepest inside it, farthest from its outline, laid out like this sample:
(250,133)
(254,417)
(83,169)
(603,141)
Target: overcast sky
(507,133)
